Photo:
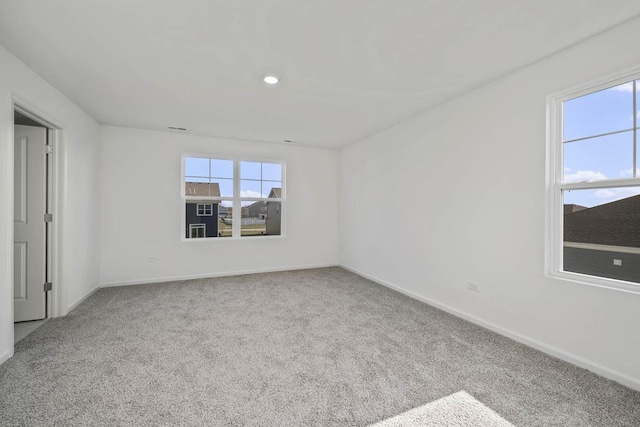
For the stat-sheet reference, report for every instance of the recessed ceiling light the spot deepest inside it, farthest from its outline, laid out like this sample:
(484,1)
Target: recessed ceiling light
(270,79)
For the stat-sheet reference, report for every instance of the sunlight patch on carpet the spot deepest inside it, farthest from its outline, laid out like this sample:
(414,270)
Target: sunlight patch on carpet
(456,410)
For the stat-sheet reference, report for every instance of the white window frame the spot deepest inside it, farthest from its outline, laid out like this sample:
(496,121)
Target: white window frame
(258,199)
(206,207)
(202,227)
(554,185)
(236,199)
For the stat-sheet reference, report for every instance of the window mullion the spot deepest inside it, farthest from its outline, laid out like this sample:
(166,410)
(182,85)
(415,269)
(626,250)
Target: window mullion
(635,130)
(599,135)
(236,207)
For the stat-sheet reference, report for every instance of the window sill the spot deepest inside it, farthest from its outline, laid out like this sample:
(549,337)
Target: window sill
(600,282)
(232,239)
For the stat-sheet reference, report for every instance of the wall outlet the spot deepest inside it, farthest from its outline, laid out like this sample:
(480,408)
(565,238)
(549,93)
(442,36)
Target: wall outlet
(617,262)
(473,286)
(152,259)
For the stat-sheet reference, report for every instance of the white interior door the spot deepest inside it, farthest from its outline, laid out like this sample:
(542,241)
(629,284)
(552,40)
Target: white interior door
(29,226)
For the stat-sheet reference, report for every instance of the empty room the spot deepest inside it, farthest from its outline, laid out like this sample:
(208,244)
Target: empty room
(319,213)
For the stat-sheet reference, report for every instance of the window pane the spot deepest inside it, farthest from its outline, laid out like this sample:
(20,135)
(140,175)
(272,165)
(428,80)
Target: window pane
(224,187)
(272,189)
(602,232)
(222,168)
(594,159)
(250,170)
(253,218)
(637,103)
(272,171)
(225,215)
(250,189)
(196,166)
(262,218)
(637,174)
(198,226)
(600,112)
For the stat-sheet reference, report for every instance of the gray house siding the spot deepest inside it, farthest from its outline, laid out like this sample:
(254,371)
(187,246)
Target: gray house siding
(600,263)
(256,210)
(274,220)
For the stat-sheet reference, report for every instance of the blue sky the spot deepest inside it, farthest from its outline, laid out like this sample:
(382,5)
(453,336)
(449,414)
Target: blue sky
(599,158)
(256,178)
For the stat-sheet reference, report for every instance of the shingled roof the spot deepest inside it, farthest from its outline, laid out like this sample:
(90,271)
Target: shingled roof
(614,224)
(202,189)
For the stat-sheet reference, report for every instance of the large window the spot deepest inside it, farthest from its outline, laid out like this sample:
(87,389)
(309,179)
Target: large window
(260,198)
(232,198)
(594,185)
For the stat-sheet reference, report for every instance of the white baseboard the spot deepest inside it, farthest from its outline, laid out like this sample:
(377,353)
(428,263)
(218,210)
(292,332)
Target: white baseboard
(5,356)
(596,368)
(83,299)
(208,275)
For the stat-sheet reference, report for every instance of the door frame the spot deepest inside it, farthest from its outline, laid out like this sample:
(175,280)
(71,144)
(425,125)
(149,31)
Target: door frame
(56,298)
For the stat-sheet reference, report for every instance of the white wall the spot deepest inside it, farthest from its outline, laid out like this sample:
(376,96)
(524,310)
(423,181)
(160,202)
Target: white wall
(80,240)
(461,197)
(141,199)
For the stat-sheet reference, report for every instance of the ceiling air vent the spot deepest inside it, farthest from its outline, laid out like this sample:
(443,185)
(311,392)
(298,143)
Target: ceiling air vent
(177,128)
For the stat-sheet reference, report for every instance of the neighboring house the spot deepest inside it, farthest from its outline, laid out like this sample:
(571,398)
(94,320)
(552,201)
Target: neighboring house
(274,212)
(604,240)
(201,215)
(255,210)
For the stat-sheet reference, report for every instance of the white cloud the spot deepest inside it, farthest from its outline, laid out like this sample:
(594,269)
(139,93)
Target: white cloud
(567,169)
(581,176)
(612,194)
(628,173)
(605,194)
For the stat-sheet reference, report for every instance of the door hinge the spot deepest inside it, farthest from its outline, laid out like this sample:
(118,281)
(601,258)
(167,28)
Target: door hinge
(48,148)
(48,217)
(48,286)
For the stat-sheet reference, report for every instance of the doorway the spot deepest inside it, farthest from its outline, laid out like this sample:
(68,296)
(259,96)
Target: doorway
(32,203)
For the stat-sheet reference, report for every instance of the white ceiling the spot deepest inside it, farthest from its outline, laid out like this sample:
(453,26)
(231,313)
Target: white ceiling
(348,68)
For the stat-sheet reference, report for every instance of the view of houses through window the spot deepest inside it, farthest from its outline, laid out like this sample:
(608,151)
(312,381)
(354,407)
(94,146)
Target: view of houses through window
(260,188)
(600,184)
(212,187)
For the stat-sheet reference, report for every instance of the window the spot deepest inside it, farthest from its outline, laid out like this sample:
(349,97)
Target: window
(208,196)
(219,191)
(204,209)
(593,223)
(197,231)
(260,198)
